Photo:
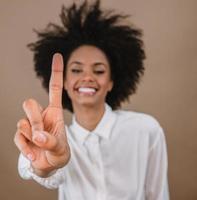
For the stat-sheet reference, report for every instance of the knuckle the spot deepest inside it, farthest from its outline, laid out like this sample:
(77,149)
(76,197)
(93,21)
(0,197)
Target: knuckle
(55,87)
(36,123)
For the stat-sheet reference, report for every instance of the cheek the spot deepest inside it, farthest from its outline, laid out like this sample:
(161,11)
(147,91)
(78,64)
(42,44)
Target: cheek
(106,83)
(105,87)
(67,84)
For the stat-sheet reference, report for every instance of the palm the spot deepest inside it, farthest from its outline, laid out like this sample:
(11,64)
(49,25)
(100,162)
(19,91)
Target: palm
(53,120)
(53,123)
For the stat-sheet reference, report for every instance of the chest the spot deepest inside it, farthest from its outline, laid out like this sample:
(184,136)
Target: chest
(117,166)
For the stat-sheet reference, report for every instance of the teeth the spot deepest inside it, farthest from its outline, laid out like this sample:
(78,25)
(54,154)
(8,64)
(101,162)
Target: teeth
(87,90)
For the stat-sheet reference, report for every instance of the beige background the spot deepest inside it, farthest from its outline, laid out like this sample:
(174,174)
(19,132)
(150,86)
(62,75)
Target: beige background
(168,90)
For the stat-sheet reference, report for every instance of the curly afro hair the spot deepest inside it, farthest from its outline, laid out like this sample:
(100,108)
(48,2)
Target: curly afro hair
(87,24)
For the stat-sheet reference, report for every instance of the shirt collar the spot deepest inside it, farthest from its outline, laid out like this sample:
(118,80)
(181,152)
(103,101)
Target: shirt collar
(103,129)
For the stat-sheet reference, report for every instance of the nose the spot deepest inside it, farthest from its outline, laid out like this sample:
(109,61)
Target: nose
(88,76)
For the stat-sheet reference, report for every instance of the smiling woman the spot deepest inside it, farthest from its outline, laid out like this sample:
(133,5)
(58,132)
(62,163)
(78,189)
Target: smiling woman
(88,78)
(89,25)
(106,153)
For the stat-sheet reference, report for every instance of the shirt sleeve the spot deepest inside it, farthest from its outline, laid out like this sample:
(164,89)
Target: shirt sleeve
(156,184)
(51,182)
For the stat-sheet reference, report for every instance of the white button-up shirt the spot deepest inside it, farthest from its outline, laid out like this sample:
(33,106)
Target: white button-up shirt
(124,158)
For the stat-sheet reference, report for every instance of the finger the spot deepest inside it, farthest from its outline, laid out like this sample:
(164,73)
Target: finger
(56,81)
(24,127)
(32,110)
(40,108)
(22,144)
(46,141)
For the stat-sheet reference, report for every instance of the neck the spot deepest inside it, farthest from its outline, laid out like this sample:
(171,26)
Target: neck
(89,117)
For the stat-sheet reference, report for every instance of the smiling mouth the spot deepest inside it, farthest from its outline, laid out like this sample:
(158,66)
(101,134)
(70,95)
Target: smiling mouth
(87,90)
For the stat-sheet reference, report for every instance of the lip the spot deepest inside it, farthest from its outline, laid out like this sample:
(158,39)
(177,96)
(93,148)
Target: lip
(86,91)
(86,86)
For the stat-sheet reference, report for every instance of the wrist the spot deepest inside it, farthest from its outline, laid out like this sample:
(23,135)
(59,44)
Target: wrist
(42,173)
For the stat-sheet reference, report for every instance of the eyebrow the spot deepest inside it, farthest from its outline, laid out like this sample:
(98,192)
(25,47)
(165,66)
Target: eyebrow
(95,64)
(75,62)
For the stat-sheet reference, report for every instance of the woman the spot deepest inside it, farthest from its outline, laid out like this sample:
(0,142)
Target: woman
(106,153)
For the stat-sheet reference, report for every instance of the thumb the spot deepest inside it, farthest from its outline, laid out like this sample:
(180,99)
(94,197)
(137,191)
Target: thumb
(45,140)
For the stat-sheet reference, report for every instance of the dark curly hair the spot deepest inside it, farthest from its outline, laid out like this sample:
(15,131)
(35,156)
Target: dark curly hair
(87,24)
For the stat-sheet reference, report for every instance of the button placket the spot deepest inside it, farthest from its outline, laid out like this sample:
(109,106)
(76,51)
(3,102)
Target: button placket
(92,149)
(94,153)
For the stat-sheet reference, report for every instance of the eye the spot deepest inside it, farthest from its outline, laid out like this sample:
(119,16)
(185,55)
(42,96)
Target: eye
(99,72)
(76,71)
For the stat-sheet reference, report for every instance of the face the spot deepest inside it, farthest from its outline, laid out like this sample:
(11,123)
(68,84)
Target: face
(88,78)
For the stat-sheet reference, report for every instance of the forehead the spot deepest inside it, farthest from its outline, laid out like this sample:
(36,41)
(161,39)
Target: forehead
(88,53)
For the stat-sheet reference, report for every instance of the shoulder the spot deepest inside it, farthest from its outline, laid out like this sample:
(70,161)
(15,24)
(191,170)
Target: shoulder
(137,118)
(139,124)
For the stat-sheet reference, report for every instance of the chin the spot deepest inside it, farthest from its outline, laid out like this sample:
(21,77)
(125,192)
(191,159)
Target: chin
(89,104)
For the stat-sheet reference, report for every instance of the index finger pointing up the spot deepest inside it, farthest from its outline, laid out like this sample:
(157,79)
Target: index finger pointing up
(56,81)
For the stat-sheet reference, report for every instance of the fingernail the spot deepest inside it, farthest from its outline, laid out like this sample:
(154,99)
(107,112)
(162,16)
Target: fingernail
(39,137)
(30,156)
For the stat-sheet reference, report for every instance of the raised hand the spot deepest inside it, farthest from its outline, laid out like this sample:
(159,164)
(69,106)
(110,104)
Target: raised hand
(41,135)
